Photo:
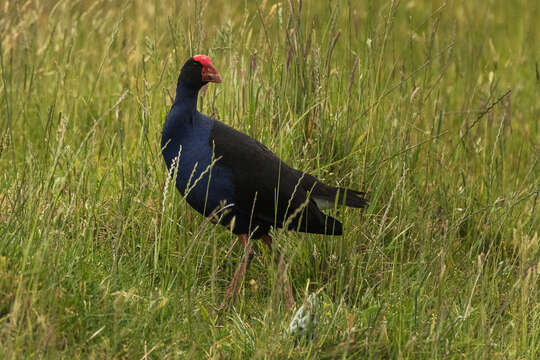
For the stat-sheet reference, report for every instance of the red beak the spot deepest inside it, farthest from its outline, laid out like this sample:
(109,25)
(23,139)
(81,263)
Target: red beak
(210,74)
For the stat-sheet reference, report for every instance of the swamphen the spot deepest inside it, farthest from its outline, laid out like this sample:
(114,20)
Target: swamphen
(236,181)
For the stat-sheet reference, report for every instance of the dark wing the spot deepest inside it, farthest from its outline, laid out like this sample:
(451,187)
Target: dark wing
(271,191)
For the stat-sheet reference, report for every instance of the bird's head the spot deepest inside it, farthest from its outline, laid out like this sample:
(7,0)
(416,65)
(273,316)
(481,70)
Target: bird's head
(198,71)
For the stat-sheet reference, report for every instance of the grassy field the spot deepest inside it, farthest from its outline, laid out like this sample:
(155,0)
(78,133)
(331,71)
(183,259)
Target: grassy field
(431,106)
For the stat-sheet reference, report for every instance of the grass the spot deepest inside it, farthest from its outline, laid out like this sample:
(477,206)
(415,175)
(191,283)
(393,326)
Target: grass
(101,258)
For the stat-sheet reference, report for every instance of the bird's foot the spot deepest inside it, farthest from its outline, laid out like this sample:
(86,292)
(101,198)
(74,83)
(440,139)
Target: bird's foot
(238,278)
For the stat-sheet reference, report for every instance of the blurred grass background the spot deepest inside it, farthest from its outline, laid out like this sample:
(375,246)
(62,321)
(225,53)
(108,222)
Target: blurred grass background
(431,106)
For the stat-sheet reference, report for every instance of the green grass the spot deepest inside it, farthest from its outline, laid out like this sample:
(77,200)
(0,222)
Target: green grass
(100,257)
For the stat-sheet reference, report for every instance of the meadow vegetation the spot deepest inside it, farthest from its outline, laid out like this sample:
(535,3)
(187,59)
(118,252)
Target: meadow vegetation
(430,106)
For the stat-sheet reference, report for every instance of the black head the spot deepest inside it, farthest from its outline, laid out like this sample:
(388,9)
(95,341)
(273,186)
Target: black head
(198,71)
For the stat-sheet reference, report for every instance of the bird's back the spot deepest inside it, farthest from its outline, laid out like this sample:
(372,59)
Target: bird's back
(266,188)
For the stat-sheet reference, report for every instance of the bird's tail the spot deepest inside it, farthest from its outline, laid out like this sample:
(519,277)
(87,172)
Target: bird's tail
(326,196)
(317,223)
(351,198)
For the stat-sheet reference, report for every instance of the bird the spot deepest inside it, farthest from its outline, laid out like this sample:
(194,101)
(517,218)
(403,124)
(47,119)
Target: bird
(237,182)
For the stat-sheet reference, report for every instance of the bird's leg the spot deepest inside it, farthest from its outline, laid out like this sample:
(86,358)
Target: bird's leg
(283,279)
(240,273)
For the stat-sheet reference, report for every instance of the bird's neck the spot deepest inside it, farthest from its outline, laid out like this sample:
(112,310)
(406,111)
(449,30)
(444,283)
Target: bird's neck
(186,97)
(184,108)
(180,120)
(183,113)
